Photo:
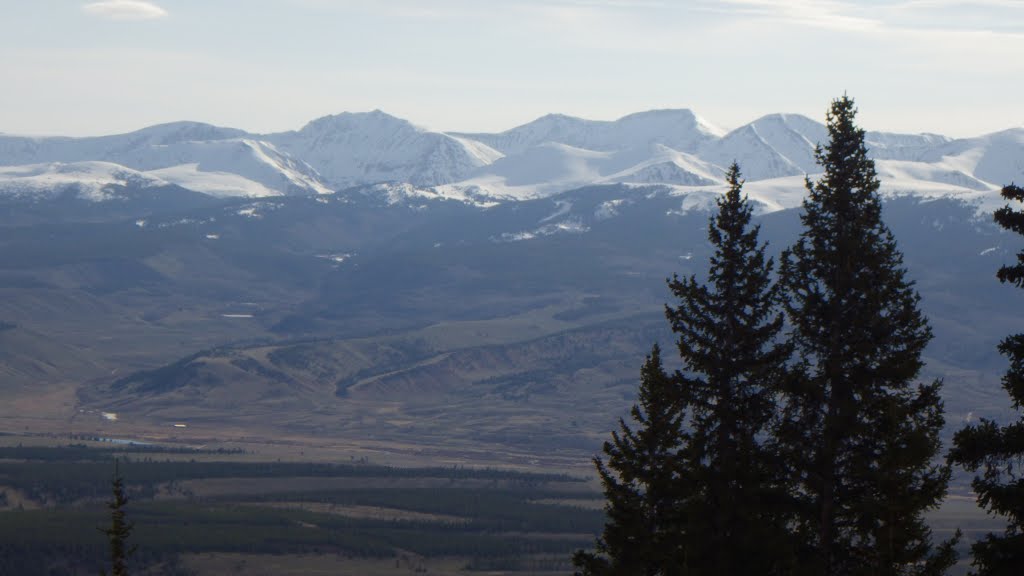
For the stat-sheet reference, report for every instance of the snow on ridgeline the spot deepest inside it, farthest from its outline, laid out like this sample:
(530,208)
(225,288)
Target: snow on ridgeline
(395,193)
(396,161)
(19,150)
(199,157)
(679,129)
(103,181)
(351,149)
(237,167)
(86,180)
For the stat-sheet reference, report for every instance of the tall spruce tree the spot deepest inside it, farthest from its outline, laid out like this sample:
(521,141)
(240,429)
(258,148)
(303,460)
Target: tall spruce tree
(120,528)
(998,451)
(704,499)
(728,333)
(861,437)
(642,482)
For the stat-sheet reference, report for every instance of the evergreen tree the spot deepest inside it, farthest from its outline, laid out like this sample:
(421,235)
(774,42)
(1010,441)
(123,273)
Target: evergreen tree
(999,450)
(704,499)
(732,365)
(860,436)
(642,481)
(120,528)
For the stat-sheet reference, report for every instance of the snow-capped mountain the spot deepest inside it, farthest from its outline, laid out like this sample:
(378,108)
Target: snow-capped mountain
(94,181)
(679,129)
(15,150)
(231,167)
(668,166)
(552,154)
(352,149)
(772,146)
(996,157)
(893,146)
(199,157)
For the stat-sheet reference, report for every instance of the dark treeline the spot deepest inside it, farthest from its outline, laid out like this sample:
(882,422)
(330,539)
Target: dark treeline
(64,475)
(82,452)
(797,438)
(497,528)
(504,510)
(491,518)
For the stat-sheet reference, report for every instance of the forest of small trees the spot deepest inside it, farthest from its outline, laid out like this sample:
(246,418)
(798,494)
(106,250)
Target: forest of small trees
(798,438)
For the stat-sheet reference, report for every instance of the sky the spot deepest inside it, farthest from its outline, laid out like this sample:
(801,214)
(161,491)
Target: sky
(77,68)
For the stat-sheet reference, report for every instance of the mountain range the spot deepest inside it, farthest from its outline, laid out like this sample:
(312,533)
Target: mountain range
(554,153)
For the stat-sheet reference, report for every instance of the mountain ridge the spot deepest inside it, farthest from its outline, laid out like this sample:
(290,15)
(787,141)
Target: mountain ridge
(551,154)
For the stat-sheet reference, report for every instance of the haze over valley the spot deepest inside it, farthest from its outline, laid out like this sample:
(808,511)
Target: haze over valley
(367,282)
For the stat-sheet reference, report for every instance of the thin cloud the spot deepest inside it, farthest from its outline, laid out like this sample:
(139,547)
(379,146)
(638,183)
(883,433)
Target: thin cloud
(886,16)
(125,10)
(827,14)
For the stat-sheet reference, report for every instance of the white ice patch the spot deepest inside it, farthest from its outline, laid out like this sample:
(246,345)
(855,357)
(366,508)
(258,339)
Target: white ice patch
(609,209)
(399,193)
(186,222)
(517,236)
(697,201)
(256,209)
(570,226)
(220,184)
(339,258)
(562,207)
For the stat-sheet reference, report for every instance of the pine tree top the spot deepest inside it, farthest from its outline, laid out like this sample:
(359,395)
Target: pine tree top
(849,177)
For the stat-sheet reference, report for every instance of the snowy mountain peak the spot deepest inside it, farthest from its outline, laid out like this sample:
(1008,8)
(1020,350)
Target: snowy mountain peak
(350,149)
(174,132)
(799,127)
(375,121)
(669,119)
(773,146)
(679,129)
(197,156)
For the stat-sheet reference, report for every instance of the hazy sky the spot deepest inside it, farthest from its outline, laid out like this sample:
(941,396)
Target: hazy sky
(96,67)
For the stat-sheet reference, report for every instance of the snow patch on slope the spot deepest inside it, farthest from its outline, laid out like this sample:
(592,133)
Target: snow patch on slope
(609,208)
(668,166)
(997,158)
(394,193)
(86,180)
(254,160)
(220,184)
(567,226)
